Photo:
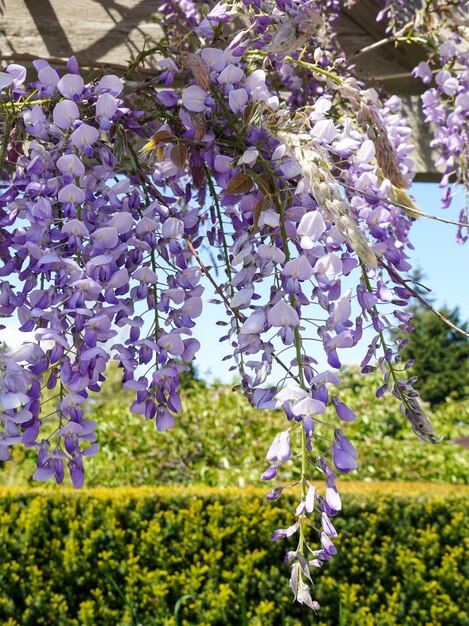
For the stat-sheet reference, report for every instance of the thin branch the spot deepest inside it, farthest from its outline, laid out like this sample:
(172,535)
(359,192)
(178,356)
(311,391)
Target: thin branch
(400,75)
(382,42)
(417,213)
(238,316)
(422,300)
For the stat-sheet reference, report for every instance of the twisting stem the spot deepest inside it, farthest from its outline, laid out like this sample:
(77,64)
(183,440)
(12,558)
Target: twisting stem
(237,315)
(225,245)
(422,300)
(220,222)
(317,69)
(6,139)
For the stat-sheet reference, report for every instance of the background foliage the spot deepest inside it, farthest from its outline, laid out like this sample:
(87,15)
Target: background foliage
(441,356)
(219,439)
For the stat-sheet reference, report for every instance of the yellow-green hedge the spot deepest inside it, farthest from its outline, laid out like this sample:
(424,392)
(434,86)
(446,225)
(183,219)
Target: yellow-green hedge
(123,557)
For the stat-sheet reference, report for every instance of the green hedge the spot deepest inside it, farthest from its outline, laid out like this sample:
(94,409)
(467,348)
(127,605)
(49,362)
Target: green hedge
(122,557)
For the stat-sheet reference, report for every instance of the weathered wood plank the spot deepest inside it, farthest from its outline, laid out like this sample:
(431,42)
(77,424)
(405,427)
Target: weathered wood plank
(423,154)
(106,31)
(357,28)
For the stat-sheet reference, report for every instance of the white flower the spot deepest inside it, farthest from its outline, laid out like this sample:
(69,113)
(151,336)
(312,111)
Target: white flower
(249,157)
(283,314)
(193,98)
(298,268)
(231,74)
(310,228)
(254,324)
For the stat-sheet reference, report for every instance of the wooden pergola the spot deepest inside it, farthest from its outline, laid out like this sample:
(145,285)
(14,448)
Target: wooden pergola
(111,33)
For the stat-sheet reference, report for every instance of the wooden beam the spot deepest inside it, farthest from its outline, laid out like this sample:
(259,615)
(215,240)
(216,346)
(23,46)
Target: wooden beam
(389,64)
(423,154)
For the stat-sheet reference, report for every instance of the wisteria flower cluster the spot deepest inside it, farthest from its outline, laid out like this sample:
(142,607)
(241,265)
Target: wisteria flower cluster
(255,149)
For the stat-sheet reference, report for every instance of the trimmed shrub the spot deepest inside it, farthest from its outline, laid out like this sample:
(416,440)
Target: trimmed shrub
(161,556)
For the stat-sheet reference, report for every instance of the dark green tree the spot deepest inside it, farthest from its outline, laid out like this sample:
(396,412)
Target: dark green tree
(441,356)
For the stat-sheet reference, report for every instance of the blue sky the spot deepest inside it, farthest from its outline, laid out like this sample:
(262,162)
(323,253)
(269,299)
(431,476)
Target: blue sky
(444,263)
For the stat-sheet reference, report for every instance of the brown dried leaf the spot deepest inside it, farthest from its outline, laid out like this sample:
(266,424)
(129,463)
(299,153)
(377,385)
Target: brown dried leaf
(198,120)
(198,176)
(161,136)
(199,70)
(196,169)
(260,206)
(240,183)
(266,184)
(247,114)
(178,155)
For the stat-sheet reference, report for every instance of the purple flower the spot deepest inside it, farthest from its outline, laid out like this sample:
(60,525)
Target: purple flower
(342,410)
(5,80)
(106,108)
(310,228)
(100,240)
(110,83)
(230,74)
(72,164)
(299,268)
(238,99)
(254,323)
(71,194)
(423,71)
(344,453)
(173,228)
(168,98)
(85,135)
